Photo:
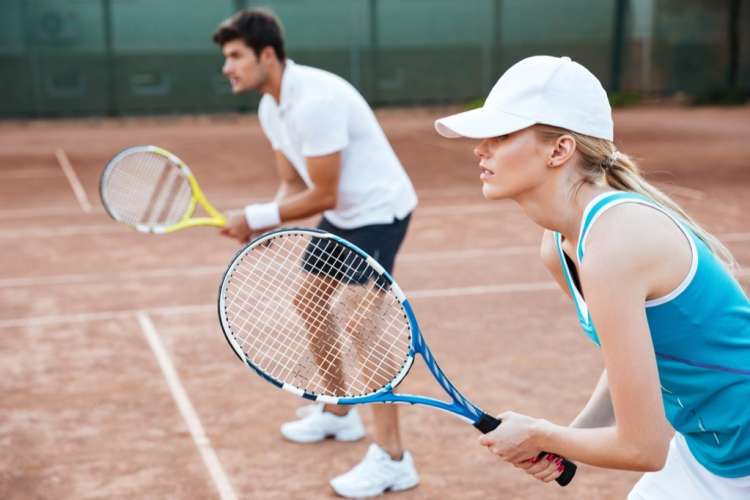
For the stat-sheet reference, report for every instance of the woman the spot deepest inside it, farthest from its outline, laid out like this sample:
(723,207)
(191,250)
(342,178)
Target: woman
(651,288)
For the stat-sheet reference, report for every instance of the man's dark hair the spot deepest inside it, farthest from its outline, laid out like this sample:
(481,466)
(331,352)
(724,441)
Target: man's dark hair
(258,28)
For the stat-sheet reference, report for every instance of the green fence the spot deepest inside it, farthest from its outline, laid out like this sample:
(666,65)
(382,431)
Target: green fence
(118,57)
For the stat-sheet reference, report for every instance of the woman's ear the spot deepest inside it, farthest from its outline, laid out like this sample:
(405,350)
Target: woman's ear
(562,151)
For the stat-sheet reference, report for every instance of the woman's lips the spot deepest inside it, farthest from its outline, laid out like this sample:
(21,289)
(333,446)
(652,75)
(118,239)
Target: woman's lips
(485,173)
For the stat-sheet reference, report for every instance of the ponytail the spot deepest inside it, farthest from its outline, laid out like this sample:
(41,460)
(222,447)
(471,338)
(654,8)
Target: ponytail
(602,163)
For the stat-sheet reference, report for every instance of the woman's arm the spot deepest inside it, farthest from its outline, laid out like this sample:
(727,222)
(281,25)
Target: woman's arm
(625,259)
(625,254)
(598,412)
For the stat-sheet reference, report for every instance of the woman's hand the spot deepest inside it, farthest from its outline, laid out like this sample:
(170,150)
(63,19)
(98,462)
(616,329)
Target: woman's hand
(545,468)
(515,442)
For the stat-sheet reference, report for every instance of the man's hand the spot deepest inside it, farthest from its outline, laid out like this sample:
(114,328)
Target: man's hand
(237,227)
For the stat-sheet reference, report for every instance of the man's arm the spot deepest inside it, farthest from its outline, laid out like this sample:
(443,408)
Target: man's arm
(325,172)
(290,182)
(322,125)
(294,199)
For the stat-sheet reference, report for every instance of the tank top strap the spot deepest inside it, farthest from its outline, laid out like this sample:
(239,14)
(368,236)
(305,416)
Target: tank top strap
(604,202)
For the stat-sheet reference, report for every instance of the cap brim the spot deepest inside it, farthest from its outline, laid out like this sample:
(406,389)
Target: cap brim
(480,123)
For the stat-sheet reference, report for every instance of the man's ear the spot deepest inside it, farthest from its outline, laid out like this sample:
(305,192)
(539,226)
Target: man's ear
(267,54)
(562,150)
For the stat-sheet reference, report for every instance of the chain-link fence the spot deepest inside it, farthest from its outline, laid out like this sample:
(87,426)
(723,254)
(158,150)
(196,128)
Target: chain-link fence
(117,57)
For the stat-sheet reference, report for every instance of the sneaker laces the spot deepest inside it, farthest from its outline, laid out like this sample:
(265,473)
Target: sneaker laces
(375,465)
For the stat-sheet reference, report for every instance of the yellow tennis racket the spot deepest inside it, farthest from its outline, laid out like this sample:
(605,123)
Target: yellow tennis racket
(153,191)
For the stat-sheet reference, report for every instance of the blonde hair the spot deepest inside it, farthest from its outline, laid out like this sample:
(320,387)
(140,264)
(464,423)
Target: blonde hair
(602,163)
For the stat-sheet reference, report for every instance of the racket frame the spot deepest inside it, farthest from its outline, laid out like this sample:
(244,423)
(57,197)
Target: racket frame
(458,406)
(215,217)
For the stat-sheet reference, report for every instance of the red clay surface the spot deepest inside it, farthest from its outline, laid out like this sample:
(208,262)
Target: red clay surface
(86,412)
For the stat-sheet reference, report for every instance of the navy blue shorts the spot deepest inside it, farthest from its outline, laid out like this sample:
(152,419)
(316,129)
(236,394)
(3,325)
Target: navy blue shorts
(380,241)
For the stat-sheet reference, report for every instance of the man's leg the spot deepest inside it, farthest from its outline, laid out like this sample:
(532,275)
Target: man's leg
(313,304)
(386,466)
(387,433)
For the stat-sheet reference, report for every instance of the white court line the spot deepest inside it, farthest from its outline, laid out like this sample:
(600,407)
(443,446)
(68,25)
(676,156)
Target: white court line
(72,230)
(472,253)
(438,209)
(76,229)
(421,209)
(73,279)
(475,253)
(78,190)
(104,316)
(43,212)
(483,290)
(734,237)
(186,408)
(539,286)
(206,308)
(30,173)
(228,204)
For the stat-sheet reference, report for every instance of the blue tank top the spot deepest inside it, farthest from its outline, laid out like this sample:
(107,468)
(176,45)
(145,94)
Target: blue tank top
(701,335)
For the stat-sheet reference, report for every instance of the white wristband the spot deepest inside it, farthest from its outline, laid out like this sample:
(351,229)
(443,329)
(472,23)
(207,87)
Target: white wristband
(262,215)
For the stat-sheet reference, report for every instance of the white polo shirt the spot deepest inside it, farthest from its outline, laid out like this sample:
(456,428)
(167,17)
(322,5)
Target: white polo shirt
(320,114)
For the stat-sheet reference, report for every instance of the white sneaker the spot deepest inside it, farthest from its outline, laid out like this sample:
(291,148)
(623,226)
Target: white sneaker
(318,425)
(376,474)
(304,411)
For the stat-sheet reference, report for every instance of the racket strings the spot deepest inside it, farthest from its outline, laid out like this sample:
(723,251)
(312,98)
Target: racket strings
(353,326)
(146,188)
(274,349)
(311,312)
(314,302)
(327,363)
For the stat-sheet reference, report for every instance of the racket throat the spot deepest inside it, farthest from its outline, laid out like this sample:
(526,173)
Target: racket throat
(487,423)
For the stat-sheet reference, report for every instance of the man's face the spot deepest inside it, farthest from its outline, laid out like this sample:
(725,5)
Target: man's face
(242,67)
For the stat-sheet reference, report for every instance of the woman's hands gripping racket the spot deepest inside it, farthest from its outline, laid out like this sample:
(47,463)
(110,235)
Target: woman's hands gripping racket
(152,190)
(313,314)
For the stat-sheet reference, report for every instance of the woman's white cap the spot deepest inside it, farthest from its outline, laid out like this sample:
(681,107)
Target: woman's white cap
(540,89)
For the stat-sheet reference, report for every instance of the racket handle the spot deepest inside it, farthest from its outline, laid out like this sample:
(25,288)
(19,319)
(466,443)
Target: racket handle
(487,423)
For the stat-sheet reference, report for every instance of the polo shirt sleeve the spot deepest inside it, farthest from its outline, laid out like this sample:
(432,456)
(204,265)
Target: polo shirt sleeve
(269,122)
(323,127)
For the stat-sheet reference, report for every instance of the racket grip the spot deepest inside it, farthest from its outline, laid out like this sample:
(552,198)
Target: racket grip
(487,423)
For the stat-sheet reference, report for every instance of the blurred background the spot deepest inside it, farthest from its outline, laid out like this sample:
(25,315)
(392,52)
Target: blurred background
(61,58)
(85,409)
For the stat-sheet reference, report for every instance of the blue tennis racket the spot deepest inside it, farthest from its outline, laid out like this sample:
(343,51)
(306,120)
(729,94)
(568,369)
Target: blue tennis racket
(313,314)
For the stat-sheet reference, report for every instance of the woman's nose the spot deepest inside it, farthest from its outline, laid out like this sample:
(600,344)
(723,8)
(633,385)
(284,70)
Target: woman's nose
(478,152)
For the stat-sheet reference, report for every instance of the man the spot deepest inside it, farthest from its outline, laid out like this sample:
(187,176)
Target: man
(333,159)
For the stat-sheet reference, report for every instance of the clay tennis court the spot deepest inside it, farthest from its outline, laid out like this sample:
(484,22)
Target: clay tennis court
(116,380)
